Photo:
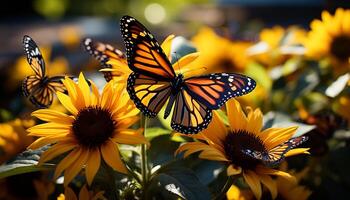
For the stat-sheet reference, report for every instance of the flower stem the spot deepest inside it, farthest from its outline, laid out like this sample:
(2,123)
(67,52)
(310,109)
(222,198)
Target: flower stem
(224,189)
(144,164)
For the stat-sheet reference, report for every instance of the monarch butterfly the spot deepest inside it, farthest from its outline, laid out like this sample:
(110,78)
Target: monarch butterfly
(275,155)
(39,88)
(103,53)
(154,81)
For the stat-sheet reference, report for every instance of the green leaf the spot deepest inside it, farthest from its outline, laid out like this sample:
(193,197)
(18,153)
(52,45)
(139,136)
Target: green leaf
(280,120)
(162,150)
(24,163)
(156,131)
(259,74)
(176,183)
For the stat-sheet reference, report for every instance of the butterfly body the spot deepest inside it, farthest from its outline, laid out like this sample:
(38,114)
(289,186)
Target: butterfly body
(176,86)
(154,83)
(39,88)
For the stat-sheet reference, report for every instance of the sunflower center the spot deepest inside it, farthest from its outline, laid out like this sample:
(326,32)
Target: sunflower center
(93,126)
(340,47)
(237,141)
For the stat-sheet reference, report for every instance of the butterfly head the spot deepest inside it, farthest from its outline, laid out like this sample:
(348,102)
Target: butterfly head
(177,83)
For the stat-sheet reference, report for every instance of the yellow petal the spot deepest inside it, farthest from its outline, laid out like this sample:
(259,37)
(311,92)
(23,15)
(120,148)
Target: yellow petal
(281,135)
(233,170)
(95,96)
(84,87)
(192,147)
(110,154)
(234,193)
(48,129)
(126,122)
(128,136)
(69,194)
(269,171)
(270,184)
(56,150)
(92,165)
(236,117)
(67,103)
(185,60)
(53,116)
(213,154)
(84,193)
(47,140)
(297,151)
(67,161)
(255,120)
(166,45)
(253,181)
(217,131)
(75,167)
(70,86)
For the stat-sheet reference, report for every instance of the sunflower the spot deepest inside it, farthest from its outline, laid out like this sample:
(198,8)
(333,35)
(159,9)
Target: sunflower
(224,144)
(219,54)
(91,132)
(120,69)
(84,194)
(330,37)
(14,137)
(277,44)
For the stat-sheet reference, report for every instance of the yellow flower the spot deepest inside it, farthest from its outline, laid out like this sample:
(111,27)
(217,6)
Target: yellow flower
(330,37)
(219,54)
(84,194)
(14,138)
(236,193)
(91,132)
(292,190)
(277,44)
(22,69)
(221,143)
(121,71)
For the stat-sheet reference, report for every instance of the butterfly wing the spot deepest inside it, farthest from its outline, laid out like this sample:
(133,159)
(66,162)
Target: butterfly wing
(190,116)
(277,154)
(148,93)
(215,89)
(39,94)
(103,53)
(34,56)
(144,54)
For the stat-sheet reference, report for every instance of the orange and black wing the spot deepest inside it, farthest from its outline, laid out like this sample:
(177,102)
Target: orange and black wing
(148,94)
(144,54)
(40,93)
(277,154)
(215,89)
(34,56)
(190,116)
(103,53)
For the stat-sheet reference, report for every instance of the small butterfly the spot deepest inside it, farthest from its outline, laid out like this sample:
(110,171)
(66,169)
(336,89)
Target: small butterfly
(104,53)
(154,82)
(39,88)
(275,155)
